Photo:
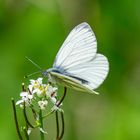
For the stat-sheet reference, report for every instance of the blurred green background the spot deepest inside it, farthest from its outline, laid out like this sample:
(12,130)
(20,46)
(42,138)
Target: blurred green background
(37,28)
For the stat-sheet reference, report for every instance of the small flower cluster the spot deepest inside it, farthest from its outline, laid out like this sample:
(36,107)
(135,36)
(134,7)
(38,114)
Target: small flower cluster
(39,93)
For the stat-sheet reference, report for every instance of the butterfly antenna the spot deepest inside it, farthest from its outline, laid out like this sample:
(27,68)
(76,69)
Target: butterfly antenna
(26,76)
(40,69)
(33,63)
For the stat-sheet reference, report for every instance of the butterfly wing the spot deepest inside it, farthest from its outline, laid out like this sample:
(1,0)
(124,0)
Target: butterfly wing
(71,82)
(79,47)
(94,71)
(77,59)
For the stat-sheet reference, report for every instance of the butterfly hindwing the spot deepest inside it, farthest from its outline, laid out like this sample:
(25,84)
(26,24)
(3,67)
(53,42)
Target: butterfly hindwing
(94,71)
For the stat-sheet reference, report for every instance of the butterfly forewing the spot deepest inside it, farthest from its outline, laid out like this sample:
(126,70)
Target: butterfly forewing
(79,47)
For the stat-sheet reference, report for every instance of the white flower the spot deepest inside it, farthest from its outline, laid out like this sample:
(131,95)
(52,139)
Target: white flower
(37,82)
(30,88)
(25,97)
(42,104)
(46,93)
(19,102)
(53,100)
(37,91)
(51,91)
(29,131)
(55,107)
(37,87)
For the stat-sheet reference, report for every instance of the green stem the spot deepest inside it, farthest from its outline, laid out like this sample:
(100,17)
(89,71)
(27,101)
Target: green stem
(16,121)
(26,118)
(63,125)
(41,124)
(48,114)
(34,113)
(65,91)
(57,125)
(26,134)
(62,117)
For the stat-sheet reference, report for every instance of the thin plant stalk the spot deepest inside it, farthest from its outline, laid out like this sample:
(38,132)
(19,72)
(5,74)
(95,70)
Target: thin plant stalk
(63,125)
(59,137)
(34,113)
(26,134)
(26,118)
(25,131)
(57,125)
(65,91)
(16,121)
(41,124)
(48,114)
(62,117)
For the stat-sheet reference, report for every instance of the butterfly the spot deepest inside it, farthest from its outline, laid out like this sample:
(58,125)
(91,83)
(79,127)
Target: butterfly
(77,64)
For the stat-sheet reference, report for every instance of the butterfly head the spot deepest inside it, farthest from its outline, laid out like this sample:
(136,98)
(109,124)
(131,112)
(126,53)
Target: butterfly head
(46,72)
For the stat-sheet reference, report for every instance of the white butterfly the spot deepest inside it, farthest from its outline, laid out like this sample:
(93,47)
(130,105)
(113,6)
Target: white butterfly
(77,64)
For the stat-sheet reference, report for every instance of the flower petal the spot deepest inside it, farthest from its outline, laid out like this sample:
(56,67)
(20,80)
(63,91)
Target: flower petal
(41,129)
(19,102)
